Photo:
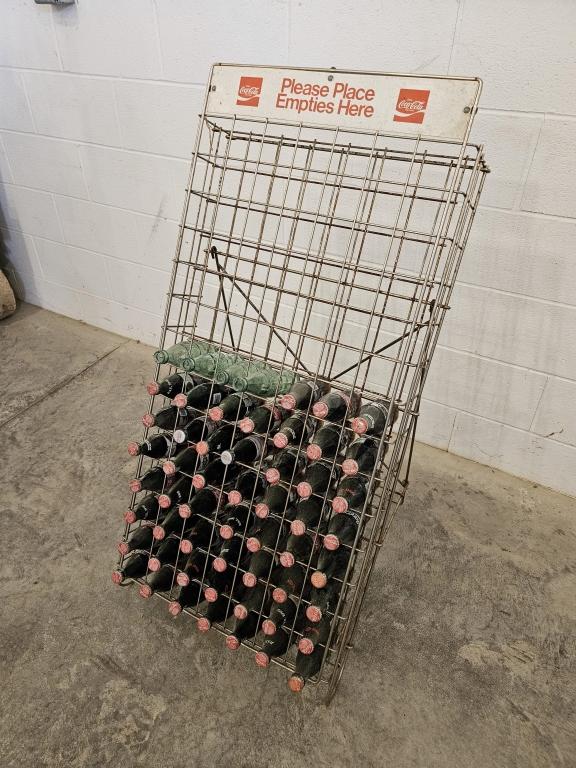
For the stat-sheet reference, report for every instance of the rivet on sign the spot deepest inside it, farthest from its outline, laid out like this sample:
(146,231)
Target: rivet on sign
(330,77)
(466,110)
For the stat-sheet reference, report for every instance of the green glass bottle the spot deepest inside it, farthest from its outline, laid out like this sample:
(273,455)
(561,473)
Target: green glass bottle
(179,352)
(209,363)
(265,382)
(238,367)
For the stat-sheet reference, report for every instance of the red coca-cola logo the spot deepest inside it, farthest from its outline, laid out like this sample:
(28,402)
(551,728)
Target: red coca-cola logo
(411,106)
(249,91)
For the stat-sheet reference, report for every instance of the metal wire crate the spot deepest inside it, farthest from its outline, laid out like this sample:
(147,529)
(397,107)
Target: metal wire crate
(329,246)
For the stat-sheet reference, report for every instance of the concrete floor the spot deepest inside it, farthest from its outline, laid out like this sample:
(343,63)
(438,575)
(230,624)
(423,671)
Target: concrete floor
(465,654)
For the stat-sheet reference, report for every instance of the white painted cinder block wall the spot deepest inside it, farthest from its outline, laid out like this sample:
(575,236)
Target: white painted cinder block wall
(98,110)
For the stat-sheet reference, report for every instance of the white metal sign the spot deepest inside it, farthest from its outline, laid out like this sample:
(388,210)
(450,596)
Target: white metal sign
(409,105)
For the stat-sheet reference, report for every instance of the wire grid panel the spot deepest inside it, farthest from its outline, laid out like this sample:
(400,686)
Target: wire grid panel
(331,252)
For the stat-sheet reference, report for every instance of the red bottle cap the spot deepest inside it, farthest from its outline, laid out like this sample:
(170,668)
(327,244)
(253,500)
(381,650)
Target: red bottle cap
(202,448)
(234,497)
(304,490)
(219,564)
(184,511)
(261,510)
(320,410)
(174,608)
(313,613)
(319,579)
(153,387)
(240,611)
(133,448)
(280,440)
(148,420)
(180,401)
(154,564)
(226,532)
(279,595)
(350,467)
(158,533)
(359,425)
(216,413)
(272,476)
(186,546)
(145,591)
(305,646)
(339,504)
(268,627)
(164,501)
(169,468)
(246,425)
(211,594)
(288,401)
(203,624)
(287,559)
(249,580)
(182,579)
(253,544)
(232,643)
(295,683)
(130,517)
(314,452)
(262,659)
(198,482)
(135,485)
(298,527)
(123,547)
(331,542)
(117,577)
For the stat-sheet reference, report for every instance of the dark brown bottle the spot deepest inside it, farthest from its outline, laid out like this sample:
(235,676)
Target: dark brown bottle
(219,439)
(307,665)
(317,480)
(153,480)
(203,533)
(147,509)
(216,474)
(155,447)
(160,581)
(263,420)
(253,599)
(332,564)
(323,602)
(172,523)
(202,396)
(215,612)
(299,548)
(204,502)
(303,393)
(342,530)
(243,629)
(258,566)
(328,441)
(134,567)
(186,461)
(235,519)
(276,500)
(289,581)
(141,538)
(272,646)
(337,406)
(287,464)
(178,493)
(228,555)
(249,485)
(170,386)
(294,430)
(217,583)
(314,635)
(263,533)
(169,418)
(350,494)
(233,408)
(281,615)
(189,595)
(360,457)
(194,567)
(372,418)
(308,515)
(196,431)
(166,554)
(247,450)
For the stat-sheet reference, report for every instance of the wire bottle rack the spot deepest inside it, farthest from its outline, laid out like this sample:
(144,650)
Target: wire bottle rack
(316,241)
